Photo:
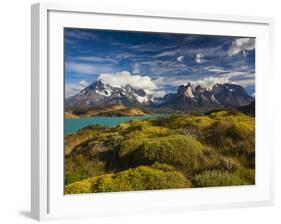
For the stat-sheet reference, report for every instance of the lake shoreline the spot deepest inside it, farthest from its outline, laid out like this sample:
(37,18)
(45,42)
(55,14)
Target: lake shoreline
(72,125)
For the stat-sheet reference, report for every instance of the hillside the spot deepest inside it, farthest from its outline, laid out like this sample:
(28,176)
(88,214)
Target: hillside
(110,111)
(70,115)
(178,151)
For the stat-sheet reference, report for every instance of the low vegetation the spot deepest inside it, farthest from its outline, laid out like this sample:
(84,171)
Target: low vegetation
(214,178)
(177,151)
(136,179)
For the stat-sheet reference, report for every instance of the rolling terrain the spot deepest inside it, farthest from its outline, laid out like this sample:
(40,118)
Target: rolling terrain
(178,151)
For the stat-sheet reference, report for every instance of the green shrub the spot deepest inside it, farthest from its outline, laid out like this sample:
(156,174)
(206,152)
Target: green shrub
(122,126)
(140,178)
(246,174)
(172,122)
(178,150)
(227,163)
(72,140)
(130,145)
(147,131)
(89,149)
(94,127)
(102,142)
(187,121)
(84,186)
(213,160)
(231,138)
(162,166)
(74,177)
(218,178)
(137,179)
(79,167)
(110,138)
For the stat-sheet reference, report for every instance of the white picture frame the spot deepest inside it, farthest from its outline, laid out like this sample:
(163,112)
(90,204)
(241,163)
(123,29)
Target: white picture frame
(47,199)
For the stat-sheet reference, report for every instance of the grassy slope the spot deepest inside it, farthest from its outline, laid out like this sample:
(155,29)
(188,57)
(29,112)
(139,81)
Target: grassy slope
(217,149)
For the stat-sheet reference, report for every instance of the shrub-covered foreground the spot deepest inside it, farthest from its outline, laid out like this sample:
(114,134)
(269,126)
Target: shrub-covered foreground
(136,179)
(176,151)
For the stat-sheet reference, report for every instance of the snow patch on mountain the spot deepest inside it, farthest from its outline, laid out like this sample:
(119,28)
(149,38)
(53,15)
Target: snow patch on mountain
(104,93)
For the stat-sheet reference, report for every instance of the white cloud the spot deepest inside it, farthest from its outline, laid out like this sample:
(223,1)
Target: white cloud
(136,68)
(199,58)
(169,53)
(119,79)
(241,44)
(215,69)
(126,78)
(159,93)
(81,68)
(209,82)
(241,78)
(72,89)
(245,82)
(83,84)
(180,59)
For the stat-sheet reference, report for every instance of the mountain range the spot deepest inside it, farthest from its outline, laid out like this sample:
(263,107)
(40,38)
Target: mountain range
(100,94)
(222,95)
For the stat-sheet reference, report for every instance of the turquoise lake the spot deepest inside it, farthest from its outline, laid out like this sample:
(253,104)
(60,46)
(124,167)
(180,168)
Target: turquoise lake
(73,125)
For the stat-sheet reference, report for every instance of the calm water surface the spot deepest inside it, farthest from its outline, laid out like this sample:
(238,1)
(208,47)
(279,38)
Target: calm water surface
(72,125)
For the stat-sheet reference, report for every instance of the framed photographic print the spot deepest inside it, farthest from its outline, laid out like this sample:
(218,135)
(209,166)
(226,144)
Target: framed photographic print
(148,111)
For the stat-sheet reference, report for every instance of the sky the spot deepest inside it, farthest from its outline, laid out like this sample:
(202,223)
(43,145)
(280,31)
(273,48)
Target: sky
(156,62)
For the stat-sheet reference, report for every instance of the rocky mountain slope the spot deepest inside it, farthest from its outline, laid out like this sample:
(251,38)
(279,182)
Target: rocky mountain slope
(103,94)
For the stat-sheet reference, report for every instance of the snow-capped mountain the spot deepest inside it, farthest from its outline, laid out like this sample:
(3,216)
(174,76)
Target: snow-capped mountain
(223,95)
(186,98)
(100,93)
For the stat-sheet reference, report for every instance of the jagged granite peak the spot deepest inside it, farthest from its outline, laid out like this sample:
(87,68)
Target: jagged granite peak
(226,95)
(198,90)
(98,87)
(230,94)
(185,90)
(100,93)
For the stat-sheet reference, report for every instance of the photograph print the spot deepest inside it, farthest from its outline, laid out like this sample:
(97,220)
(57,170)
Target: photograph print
(157,111)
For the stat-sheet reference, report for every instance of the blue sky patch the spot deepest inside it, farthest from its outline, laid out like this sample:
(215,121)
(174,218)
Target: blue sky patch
(157,62)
